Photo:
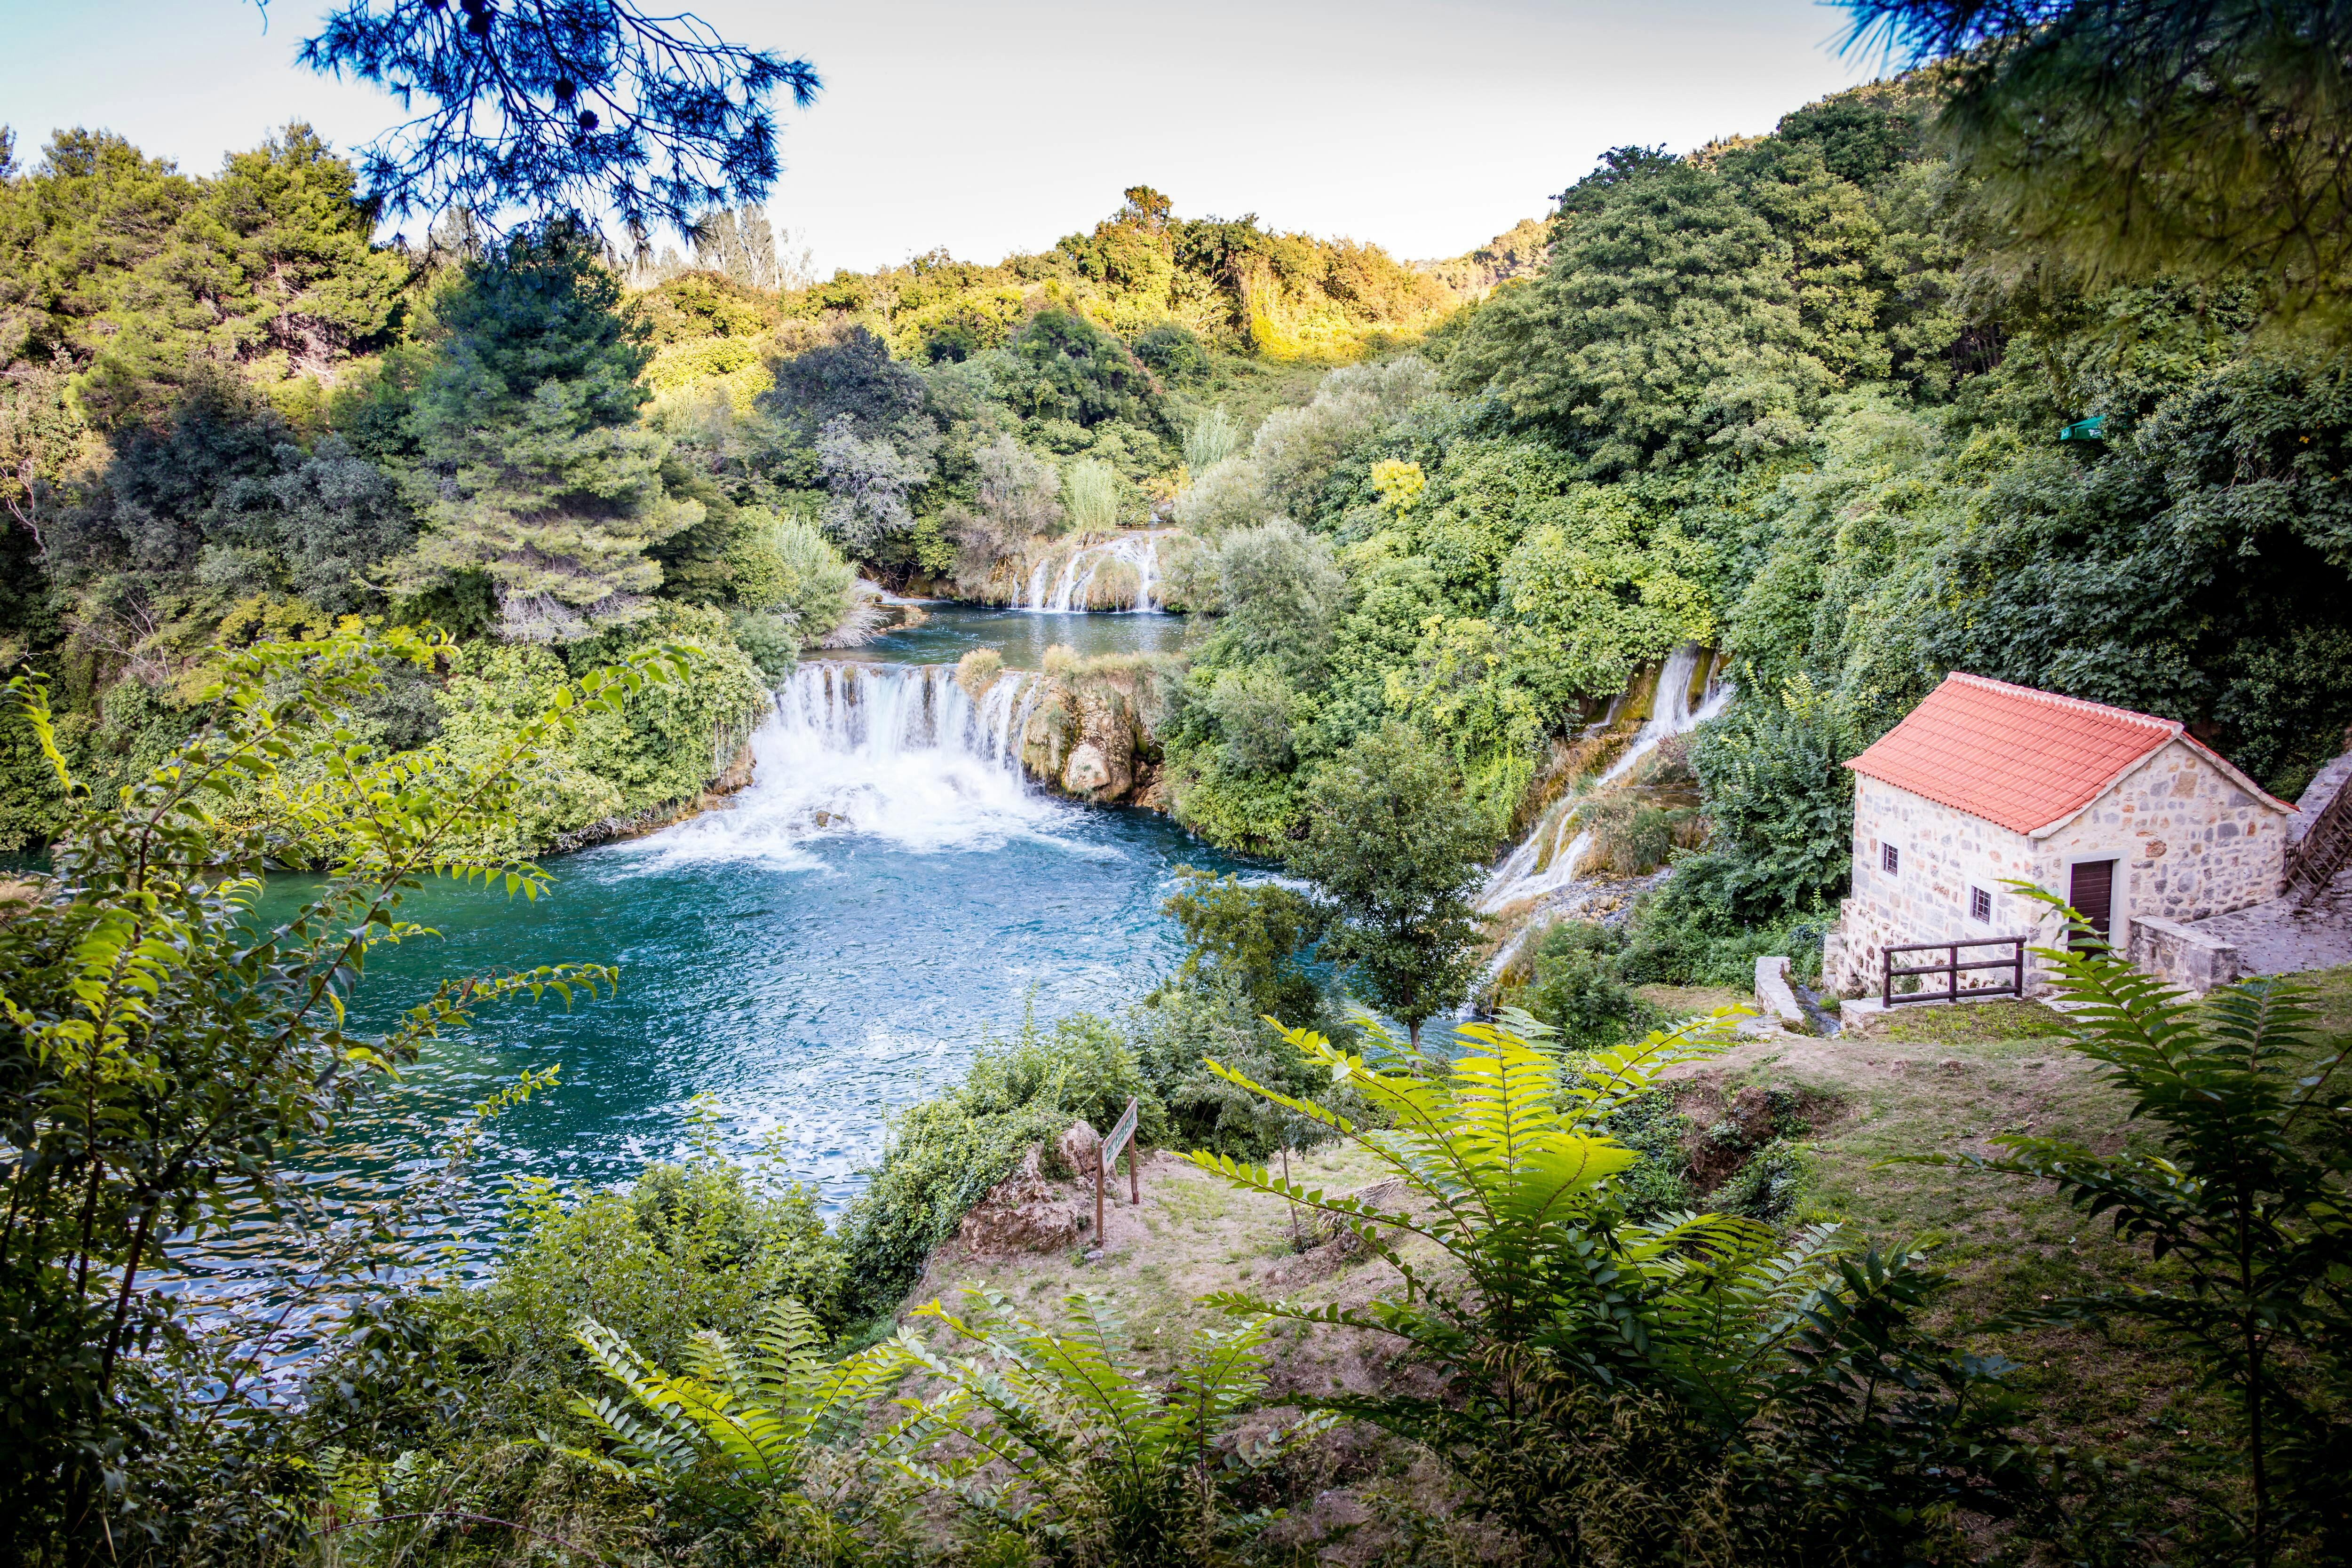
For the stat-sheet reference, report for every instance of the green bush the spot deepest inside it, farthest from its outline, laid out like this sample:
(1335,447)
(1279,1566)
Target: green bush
(1688,930)
(697,1246)
(1658,1183)
(1579,988)
(1780,796)
(1185,1025)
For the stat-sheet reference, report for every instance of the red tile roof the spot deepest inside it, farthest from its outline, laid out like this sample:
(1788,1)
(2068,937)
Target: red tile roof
(2024,758)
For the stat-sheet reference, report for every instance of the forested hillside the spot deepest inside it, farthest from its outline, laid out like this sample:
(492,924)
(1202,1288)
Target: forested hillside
(1760,399)
(1753,398)
(228,416)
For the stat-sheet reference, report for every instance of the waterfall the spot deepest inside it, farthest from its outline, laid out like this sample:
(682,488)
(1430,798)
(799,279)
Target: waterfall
(1072,589)
(1549,859)
(900,752)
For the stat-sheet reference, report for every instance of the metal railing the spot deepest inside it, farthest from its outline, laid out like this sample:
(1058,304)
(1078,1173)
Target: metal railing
(1951,968)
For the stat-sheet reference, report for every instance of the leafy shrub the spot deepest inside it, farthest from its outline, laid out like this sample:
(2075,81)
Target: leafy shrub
(1019,490)
(785,566)
(1174,353)
(1780,796)
(1070,369)
(1766,1185)
(763,1446)
(1578,989)
(1688,930)
(688,1248)
(1656,1184)
(1074,1454)
(1090,495)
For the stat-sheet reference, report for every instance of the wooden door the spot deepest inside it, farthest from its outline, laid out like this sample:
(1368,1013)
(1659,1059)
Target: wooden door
(2091,891)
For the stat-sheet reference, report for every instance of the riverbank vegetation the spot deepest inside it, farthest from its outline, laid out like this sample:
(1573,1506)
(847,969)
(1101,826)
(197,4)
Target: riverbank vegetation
(412,562)
(1611,1298)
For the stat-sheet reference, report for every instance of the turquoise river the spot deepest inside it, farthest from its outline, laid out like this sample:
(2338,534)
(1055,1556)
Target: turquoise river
(832,946)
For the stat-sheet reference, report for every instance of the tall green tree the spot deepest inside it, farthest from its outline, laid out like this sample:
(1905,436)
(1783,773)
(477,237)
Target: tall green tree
(1394,850)
(143,276)
(1666,327)
(526,456)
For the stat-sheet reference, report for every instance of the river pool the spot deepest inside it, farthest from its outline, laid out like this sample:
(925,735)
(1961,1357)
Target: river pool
(828,948)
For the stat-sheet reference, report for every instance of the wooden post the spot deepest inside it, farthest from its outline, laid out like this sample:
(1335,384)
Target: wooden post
(1134,1177)
(1098,1191)
(1122,1136)
(1952,970)
(1295,1246)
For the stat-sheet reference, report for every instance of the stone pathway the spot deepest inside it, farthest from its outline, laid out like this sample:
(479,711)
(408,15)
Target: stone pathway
(2281,938)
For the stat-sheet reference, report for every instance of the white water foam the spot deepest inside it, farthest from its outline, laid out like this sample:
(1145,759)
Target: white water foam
(1528,870)
(896,752)
(1071,590)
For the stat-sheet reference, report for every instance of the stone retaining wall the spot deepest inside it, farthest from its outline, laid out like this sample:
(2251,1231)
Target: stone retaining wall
(2182,956)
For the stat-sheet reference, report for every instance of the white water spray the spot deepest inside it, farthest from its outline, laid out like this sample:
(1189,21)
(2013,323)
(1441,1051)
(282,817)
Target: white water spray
(897,752)
(1542,863)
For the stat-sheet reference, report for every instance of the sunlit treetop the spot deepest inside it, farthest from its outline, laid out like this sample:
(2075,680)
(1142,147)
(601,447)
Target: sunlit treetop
(587,107)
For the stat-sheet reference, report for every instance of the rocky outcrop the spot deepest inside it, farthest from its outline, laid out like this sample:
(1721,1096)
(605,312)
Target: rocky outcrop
(1028,1211)
(1032,1210)
(1088,736)
(1076,1147)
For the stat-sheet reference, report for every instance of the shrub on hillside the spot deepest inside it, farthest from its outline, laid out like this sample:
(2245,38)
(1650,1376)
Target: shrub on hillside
(697,1246)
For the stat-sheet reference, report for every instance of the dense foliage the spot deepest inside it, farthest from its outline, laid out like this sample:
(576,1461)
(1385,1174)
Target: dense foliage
(1444,528)
(1578,1346)
(1767,398)
(168,1037)
(2243,1193)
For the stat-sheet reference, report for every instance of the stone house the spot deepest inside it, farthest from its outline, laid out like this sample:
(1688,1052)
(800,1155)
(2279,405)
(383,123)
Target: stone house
(2127,817)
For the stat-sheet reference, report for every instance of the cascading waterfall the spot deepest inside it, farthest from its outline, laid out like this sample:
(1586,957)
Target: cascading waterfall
(898,751)
(1073,588)
(1543,864)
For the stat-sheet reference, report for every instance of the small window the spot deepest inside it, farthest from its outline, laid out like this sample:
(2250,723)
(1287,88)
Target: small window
(1979,904)
(1888,860)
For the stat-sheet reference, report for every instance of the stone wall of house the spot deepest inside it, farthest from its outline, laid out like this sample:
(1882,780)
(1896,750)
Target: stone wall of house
(1941,856)
(2188,840)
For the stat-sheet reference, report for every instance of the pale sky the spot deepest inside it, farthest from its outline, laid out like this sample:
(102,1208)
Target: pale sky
(993,128)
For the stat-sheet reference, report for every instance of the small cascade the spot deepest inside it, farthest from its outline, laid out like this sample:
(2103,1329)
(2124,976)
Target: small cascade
(898,751)
(1549,859)
(1072,589)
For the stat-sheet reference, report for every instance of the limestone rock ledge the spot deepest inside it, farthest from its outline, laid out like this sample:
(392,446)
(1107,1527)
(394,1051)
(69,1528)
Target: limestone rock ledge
(1088,736)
